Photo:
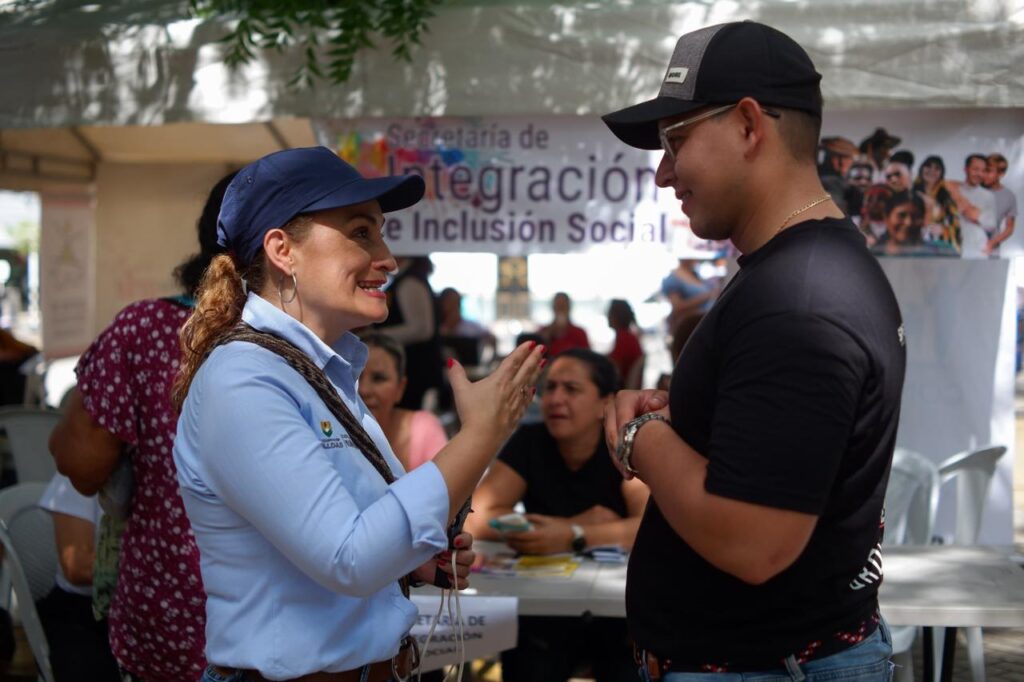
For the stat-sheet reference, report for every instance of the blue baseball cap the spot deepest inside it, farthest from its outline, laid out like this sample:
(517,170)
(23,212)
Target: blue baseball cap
(271,191)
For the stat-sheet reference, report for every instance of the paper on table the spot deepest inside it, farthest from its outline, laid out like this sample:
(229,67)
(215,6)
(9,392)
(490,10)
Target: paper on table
(560,565)
(509,565)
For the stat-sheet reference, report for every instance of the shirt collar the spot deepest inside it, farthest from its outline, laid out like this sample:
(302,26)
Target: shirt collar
(349,350)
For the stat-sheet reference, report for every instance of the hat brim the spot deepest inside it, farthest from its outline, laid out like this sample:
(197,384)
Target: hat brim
(637,125)
(393,193)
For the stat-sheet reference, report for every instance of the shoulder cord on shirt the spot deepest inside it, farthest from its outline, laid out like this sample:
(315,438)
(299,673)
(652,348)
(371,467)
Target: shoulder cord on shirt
(301,363)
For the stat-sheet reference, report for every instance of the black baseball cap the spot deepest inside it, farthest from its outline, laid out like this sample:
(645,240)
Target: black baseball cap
(271,191)
(721,65)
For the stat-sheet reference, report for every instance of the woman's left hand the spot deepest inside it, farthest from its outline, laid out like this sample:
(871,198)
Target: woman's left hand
(464,558)
(550,535)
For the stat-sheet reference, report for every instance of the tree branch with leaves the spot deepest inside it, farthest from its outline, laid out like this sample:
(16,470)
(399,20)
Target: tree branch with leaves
(330,33)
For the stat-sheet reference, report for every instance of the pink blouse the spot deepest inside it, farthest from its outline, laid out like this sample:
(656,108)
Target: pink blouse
(158,611)
(426,437)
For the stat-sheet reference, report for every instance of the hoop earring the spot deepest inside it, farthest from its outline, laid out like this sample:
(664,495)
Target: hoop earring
(295,289)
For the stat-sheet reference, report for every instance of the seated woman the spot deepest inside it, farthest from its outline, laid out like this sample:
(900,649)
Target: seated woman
(415,435)
(561,471)
(79,649)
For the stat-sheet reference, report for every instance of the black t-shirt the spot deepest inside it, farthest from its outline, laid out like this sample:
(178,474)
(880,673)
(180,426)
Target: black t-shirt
(551,488)
(790,386)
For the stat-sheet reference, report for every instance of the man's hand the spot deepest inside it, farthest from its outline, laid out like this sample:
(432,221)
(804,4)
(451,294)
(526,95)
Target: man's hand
(626,406)
(550,535)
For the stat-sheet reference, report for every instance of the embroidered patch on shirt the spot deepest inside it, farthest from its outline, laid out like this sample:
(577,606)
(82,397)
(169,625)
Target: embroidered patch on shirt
(326,427)
(342,441)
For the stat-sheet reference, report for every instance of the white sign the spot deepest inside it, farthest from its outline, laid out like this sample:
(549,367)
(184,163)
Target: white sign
(489,625)
(67,277)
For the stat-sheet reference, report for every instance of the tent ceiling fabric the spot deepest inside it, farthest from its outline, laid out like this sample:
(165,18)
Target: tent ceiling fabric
(145,63)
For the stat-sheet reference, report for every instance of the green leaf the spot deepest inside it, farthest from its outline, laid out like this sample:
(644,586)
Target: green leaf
(346,26)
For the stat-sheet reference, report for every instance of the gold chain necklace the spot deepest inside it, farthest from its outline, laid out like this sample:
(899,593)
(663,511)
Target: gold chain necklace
(819,200)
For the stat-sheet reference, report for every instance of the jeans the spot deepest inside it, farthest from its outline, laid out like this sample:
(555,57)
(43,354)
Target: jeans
(867,661)
(211,675)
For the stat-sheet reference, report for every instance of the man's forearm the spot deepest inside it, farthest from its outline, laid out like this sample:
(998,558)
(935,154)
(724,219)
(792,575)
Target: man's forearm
(751,542)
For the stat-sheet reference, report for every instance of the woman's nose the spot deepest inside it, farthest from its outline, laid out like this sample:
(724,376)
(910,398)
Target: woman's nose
(387,264)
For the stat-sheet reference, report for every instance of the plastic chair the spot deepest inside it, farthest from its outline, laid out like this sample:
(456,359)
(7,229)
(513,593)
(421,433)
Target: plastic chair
(911,499)
(29,563)
(973,471)
(911,503)
(28,432)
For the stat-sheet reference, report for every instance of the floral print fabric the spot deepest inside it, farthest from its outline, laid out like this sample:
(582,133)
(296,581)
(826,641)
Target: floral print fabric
(157,614)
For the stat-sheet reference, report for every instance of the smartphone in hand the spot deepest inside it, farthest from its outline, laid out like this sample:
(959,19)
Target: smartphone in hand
(510,523)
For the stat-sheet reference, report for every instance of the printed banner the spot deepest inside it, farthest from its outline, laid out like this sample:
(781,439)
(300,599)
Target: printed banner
(515,186)
(489,625)
(917,182)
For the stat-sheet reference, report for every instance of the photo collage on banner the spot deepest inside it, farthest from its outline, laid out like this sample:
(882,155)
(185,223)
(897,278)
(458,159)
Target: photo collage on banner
(941,183)
(919,182)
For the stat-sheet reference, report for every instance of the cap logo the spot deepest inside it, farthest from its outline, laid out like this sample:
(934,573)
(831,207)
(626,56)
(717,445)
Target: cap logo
(676,74)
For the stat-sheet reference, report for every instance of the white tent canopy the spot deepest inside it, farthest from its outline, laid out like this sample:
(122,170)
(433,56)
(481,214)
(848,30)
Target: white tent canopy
(145,62)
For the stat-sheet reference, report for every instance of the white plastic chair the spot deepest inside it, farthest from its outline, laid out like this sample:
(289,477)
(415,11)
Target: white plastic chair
(911,499)
(973,471)
(29,563)
(911,503)
(28,432)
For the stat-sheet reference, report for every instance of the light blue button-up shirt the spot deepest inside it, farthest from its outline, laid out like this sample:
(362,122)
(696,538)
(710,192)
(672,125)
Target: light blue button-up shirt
(300,539)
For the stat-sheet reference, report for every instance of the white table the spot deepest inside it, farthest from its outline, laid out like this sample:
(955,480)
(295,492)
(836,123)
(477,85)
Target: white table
(933,586)
(951,587)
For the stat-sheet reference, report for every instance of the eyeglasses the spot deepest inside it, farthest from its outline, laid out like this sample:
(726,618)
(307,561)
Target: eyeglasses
(667,145)
(893,176)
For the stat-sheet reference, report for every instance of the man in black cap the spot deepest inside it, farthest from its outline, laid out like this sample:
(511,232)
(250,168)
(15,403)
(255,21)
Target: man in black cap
(768,457)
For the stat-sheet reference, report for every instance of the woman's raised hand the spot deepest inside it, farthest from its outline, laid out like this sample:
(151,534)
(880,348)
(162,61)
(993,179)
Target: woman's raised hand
(496,403)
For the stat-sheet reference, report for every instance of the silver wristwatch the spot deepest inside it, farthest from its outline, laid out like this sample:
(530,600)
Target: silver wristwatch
(625,449)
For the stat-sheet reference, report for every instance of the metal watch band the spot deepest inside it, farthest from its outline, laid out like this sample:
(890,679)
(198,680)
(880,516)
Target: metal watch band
(629,431)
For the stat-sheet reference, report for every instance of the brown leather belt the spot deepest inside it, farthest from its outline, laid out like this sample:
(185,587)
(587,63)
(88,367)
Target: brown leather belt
(399,667)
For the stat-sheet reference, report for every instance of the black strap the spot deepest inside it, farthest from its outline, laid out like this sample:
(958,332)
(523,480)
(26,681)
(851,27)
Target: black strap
(301,363)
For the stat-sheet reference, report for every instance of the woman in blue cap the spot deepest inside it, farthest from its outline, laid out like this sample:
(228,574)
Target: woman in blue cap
(308,528)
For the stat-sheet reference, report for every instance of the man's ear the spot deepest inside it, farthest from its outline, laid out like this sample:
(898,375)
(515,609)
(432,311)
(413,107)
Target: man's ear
(278,247)
(754,124)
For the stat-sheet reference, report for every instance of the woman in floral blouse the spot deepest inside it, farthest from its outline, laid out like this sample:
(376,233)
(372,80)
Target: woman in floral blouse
(122,405)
